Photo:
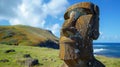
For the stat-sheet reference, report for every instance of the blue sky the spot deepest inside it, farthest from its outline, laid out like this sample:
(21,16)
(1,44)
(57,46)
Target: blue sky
(48,14)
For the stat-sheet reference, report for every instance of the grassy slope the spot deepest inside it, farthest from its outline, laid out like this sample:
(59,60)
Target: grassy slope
(42,53)
(35,52)
(24,35)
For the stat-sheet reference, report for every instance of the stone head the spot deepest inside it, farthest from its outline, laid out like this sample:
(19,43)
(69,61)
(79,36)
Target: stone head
(84,18)
(80,28)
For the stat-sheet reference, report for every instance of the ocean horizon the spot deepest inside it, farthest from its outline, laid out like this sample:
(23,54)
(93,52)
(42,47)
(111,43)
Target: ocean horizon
(107,49)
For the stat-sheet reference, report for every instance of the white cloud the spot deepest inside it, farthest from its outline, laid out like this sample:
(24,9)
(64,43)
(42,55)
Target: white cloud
(116,36)
(56,6)
(31,12)
(8,8)
(54,28)
(61,18)
(109,38)
(101,33)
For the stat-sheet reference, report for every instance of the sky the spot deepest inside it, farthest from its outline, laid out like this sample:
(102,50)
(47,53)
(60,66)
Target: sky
(48,14)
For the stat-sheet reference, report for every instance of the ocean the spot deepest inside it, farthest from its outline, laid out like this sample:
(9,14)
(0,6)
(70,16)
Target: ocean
(107,49)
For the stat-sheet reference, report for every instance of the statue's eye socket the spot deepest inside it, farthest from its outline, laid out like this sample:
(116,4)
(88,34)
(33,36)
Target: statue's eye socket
(79,12)
(87,11)
(84,11)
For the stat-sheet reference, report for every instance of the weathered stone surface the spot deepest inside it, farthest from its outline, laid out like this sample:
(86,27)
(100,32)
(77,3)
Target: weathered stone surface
(10,50)
(31,62)
(26,56)
(80,28)
(4,60)
(28,62)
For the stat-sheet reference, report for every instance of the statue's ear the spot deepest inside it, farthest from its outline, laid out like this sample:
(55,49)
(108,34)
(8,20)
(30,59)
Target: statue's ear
(96,10)
(95,32)
(66,15)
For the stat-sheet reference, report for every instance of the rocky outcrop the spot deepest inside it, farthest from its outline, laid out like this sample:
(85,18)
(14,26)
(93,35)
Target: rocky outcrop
(27,61)
(4,60)
(49,44)
(10,50)
(80,28)
(31,62)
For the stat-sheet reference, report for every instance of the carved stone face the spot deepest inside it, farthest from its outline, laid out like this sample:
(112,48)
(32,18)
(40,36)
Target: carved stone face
(84,20)
(81,26)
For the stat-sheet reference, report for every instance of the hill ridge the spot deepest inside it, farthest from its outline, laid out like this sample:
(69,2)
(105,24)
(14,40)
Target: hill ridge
(27,35)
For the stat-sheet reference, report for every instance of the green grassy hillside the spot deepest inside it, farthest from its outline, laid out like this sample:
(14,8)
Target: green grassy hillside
(25,35)
(47,57)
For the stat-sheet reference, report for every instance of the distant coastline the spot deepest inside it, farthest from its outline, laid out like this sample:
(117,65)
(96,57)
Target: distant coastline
(107,49)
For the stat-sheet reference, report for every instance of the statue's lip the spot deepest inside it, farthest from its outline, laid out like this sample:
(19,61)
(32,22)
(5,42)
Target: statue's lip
(68,42)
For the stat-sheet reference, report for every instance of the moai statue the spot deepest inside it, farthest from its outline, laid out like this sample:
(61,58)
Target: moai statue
(80,28)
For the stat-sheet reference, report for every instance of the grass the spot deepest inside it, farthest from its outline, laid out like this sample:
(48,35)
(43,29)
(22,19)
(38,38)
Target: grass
(47,57)
(109,62)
